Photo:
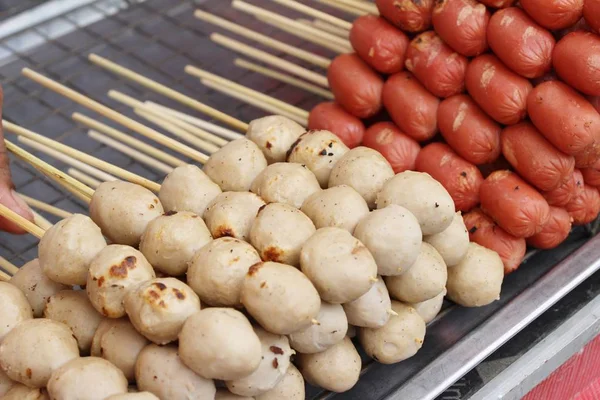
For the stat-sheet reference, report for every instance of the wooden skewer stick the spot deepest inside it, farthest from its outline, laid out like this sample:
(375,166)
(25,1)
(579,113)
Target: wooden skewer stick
(41,221)
(324,26)
(82,157)
(202,74)
(271,16)
(21,222)
(343,7)
(115,116)
(270,108)
(304,55)
(67,159)
(136,155)
(8,266)
(367,7)
(335,21)
(216,129)
(4,277)
(88,180)
(265,57)
(124,138)
(271,73)
(194,130)
(80,190)
(40,205)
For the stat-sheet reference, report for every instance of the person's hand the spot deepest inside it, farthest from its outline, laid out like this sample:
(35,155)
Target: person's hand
(8,196)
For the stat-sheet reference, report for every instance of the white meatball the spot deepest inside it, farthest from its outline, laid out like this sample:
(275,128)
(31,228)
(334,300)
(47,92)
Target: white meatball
(159,370)
(112,273)
(117,341)
(187,188)
(274,135)
(477,280)
(339,265)
(291,387)
(35,285)
(372,309)
(232,214)
(72,308)
(229,349)
(331,329)
(363,169)
(133,396)
(5,383)
(429,309)
(336,369)
(68,247)
(423,196)
(280,297)
(394,238)
(423,281)
(15,308)
(22,392)
(88,378)
(224,394)
(453,242)
(319,151)
(339,207)
(217,271)
(285,183)
(234,166)
(158,308)
(279,231)
(34,349)
(123,210)
(276,353)
(170,241)
(397,340)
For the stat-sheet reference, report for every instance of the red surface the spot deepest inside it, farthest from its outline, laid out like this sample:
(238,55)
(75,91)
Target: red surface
(576,379)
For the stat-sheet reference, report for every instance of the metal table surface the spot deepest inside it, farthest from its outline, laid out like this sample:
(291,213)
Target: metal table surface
(158,38)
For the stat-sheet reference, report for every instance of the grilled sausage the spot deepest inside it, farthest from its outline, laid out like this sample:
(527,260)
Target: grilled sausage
(331,117)
(554,231)
(462,24)
(408,15)
(554,14)
(399,149)
(576,60)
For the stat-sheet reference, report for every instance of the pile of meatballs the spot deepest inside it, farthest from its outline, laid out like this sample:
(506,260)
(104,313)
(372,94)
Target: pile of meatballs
(240,280)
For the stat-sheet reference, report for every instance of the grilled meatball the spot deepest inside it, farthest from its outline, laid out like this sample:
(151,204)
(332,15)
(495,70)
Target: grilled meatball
(232,214)
(35,285)
(274,135)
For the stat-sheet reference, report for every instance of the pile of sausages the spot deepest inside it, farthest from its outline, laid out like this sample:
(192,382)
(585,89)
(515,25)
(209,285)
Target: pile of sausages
(496,99)
(246,278)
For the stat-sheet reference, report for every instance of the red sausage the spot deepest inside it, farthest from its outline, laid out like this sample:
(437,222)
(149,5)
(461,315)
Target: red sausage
(585,203)
(331,117)
(468,130)
(534,158)
(591,13)
(436,65)
(483,231)
(591,175)
(580,25)
(411,106)
(549,76)
(567,120)
(501,93)
(521,44)
(515,205)
(379,43)
(500,163)
(554,14)
(408,15)
(576,60)
(460,178)
(595,100)
(554,231)
(399,149)
(498,3)
(462,24)
(561,196)
(356,87)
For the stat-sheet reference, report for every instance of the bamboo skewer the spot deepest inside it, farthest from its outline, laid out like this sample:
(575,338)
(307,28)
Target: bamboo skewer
(115,116)
(290,80)
(136,155)
(40,205)
(200,133)
(41,221)
(295,5)
(216,129)
(8,266)
(124,138)
(202,74)
(304,55)
(324,26)
(254,102)
(80,190)
(4,277)
(21,222)
(88,180)
(343,7)
(364,6)
(271,16)
(265,57)
(82,157)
